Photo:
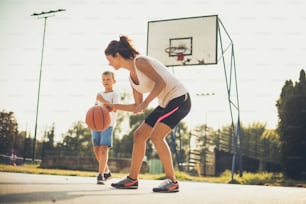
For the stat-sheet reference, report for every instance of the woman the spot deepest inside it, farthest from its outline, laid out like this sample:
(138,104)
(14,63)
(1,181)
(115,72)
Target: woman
(147,75)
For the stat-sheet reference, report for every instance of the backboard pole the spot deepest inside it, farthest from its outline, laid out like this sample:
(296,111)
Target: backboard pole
(233,104)
(238,111)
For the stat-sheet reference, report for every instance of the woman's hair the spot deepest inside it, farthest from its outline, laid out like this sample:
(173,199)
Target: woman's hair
(124,47)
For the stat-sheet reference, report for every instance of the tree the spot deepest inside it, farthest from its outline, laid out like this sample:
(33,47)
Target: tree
(250,142)
(77,141)
(48,147)
(8,132)
(27,144)
(271,146)
(292,127)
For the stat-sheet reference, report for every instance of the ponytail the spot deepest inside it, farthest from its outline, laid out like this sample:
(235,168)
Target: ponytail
(124,47)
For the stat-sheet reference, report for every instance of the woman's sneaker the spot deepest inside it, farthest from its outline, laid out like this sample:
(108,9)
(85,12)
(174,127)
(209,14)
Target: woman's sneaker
(167,186)
(107,176)
(126,183)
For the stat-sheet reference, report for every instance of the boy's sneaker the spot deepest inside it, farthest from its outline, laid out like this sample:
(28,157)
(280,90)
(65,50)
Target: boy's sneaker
(107,176)
(126,183)
(100,179)
(167,186)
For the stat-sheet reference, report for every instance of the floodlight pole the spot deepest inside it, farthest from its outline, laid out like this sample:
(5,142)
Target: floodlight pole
(44,15)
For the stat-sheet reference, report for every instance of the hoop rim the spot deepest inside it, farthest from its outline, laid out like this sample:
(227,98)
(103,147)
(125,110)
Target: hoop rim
(173,51)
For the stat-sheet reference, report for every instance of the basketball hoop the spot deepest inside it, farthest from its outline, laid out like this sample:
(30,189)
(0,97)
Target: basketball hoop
(177,52)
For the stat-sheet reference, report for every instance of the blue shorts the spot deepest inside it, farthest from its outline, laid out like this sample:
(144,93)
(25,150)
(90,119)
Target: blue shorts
(103,137)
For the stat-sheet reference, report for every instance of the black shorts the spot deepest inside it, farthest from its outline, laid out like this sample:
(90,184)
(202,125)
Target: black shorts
(172,114)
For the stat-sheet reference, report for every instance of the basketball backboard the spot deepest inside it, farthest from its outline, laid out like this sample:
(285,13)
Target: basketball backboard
(183,41)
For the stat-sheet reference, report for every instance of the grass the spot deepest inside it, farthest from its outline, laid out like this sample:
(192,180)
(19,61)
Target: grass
(263,178)
(35,169)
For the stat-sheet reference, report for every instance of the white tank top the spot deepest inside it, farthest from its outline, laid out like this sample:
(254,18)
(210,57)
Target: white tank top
(174,88)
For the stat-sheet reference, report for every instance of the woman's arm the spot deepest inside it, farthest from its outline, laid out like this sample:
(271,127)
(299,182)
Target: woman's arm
(130,107)
(140,105)
(138,97)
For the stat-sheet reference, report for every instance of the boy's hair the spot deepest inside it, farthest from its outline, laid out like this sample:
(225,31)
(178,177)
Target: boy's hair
(109,73)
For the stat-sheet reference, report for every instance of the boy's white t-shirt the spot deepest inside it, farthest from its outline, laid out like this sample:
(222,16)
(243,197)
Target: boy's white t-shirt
(112,97)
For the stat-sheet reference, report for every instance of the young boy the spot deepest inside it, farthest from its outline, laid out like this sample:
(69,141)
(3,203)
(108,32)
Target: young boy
(103,140)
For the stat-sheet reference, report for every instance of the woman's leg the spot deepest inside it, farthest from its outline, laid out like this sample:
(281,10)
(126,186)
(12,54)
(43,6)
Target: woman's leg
(107,170)
(141,136)
(160,131)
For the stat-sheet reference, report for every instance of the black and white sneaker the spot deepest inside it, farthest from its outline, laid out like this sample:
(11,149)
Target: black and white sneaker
(107,176)
(100,179)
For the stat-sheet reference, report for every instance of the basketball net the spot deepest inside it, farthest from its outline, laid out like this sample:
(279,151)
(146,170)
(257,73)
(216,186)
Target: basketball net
(180,56)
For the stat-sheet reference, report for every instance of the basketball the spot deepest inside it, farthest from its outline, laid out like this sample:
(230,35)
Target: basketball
(98,118)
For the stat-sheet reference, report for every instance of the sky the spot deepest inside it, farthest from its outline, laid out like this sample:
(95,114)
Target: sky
(269,40)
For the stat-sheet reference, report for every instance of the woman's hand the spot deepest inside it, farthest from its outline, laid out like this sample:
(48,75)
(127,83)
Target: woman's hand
(110,107)
(141,107)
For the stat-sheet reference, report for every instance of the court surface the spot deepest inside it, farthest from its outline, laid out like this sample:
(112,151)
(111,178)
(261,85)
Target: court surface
(33,188)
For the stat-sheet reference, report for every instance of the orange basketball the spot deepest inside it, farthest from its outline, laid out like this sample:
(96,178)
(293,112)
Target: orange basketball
(98,118)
